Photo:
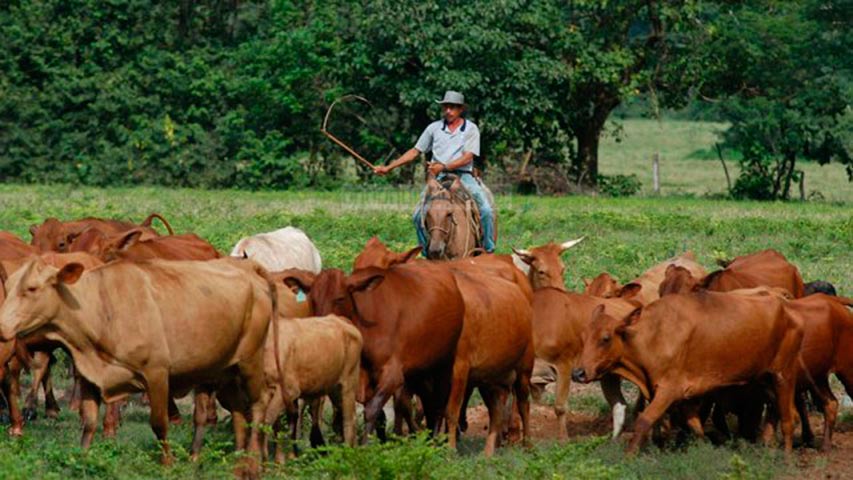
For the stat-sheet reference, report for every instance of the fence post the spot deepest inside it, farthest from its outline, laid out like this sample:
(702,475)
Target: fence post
(656,172)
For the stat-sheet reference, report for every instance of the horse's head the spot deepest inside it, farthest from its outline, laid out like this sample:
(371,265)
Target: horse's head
(446,220)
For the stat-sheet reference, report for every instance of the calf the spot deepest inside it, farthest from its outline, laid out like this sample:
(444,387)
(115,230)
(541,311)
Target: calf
(684,346)
(133,327)
(318,356)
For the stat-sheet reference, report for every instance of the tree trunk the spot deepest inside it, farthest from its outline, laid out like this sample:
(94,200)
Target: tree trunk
(586,163)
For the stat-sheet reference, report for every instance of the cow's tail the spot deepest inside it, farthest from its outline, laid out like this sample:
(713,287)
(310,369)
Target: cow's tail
(275,328)
(150,218)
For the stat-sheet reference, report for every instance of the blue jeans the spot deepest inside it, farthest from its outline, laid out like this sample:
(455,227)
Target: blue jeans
(487,214)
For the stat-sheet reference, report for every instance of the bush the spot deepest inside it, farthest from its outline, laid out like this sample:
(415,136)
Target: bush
(619,185)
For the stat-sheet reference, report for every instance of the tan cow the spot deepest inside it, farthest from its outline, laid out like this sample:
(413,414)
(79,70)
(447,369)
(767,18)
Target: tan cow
(606,286)
(318,356)
(138,327)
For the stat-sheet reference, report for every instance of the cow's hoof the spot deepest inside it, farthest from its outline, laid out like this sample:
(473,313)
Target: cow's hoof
(52,414)
(4,418)
(29,414)
(176,420)
(16,432)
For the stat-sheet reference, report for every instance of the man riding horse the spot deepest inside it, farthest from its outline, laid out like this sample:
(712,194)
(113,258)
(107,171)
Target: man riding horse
(454,142)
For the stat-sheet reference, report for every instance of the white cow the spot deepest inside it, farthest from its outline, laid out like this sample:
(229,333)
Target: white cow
(285,248)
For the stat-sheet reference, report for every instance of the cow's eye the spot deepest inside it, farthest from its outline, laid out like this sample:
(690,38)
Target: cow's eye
(542,272)
(32,289)
(605,339)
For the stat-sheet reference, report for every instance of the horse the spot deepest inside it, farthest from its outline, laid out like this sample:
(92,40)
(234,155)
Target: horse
(451,220)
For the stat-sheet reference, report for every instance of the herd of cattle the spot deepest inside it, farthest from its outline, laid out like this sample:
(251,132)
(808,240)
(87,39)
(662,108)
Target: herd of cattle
(266,327)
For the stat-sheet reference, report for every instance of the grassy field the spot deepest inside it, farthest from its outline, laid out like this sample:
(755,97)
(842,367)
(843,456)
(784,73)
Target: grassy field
(688,163)
(625,236)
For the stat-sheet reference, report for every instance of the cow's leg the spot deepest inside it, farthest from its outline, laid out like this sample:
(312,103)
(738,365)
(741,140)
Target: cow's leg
(661,401)
(785,390)
(390,382)
(89,407)
(403,413)
(495,397)
(40,365)
(316,405)
(693,417)
(200,405)
(75,395)
(112,415)
(564,382)
(830,411)
(611,387)
(51,406)
(521,388)
(158,397)
(275,407)
(803,412)
(175,413)
(212,417)
(292,408)
(349,389)
(16,429)
(458,388)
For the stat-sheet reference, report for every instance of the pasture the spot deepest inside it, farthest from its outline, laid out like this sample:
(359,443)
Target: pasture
(624,236)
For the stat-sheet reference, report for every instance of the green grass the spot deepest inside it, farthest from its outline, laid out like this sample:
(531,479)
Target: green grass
(689,163)
(625,236)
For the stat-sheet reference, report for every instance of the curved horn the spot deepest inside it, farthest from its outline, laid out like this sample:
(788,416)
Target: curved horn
(571,243)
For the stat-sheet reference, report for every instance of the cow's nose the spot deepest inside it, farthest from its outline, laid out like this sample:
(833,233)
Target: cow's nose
(579,375)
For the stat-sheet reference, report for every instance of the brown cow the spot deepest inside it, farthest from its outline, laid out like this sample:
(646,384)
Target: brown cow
(559,318)
(410,317)
(495,351)
(606,286)
(684,346)
(767,268)
(57,236)
(137,326)
(377,254)
(318,356)
(827,335)
(131,246)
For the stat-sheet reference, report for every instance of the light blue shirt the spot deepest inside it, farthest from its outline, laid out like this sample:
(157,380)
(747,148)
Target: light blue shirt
(446,146)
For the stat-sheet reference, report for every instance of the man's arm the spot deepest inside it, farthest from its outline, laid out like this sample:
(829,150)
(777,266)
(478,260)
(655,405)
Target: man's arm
(404,159)
(435,168)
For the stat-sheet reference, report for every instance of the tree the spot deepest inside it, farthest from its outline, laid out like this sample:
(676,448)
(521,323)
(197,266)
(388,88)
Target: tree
(542,75)
(782,75)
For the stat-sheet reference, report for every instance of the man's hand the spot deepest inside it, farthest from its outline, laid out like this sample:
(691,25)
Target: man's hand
(381,170)
(435,168)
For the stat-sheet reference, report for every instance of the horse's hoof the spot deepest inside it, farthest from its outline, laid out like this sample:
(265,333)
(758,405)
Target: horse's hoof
(29,414)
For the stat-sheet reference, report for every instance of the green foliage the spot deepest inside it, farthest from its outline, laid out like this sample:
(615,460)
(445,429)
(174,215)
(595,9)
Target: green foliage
(783,71)
(619,185)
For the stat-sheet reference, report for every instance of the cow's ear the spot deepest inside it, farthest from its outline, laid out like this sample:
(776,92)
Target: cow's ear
(586,282)
(633,316)
(630,291)
(597,311)
(410,255)
(69,274)
(365,281)
(524,255)
(128,240)
(296,278)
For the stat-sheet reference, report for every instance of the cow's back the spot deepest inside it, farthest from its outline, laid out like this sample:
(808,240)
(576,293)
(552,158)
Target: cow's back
(765,268)
(279,250)
(651,279)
